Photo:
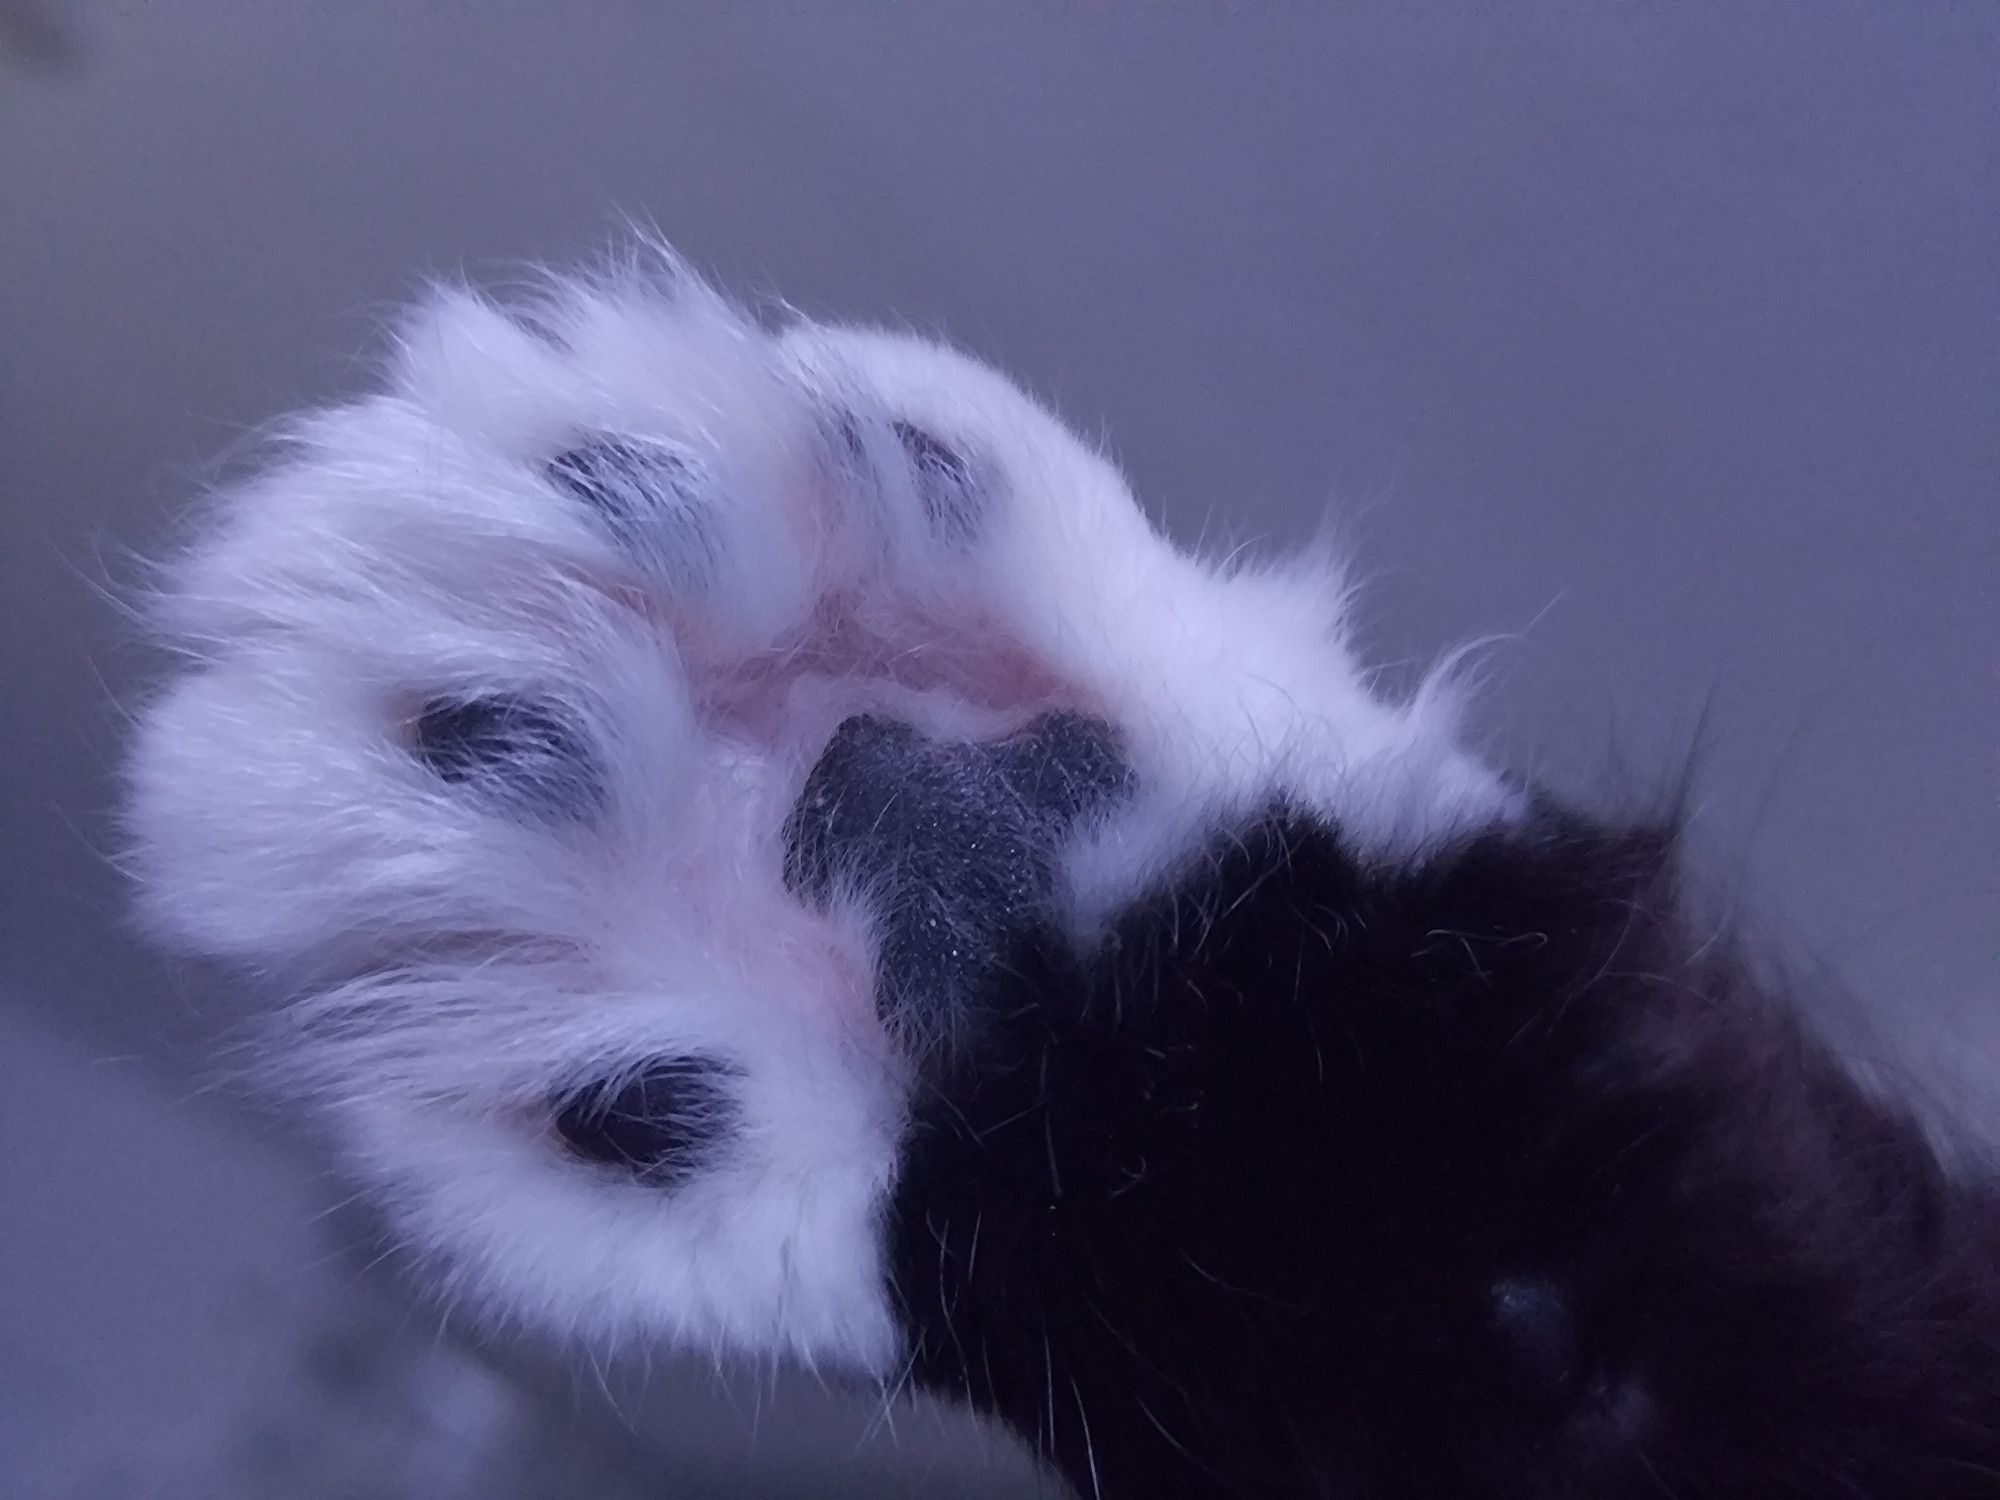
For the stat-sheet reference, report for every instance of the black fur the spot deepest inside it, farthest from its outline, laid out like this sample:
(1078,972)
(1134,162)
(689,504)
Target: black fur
(1476,1179)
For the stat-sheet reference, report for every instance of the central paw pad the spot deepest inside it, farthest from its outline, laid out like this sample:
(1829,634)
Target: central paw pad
(950,847)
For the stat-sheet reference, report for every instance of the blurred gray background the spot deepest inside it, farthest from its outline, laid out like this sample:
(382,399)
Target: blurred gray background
(1662,341)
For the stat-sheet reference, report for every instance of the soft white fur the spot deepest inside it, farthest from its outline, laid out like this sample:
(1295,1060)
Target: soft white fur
(456,962)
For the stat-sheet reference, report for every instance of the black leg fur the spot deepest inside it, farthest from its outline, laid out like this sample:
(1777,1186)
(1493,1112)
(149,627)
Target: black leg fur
(1472,1180)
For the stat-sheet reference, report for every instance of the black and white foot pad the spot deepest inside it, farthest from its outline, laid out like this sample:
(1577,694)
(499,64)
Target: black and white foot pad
(631,730)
